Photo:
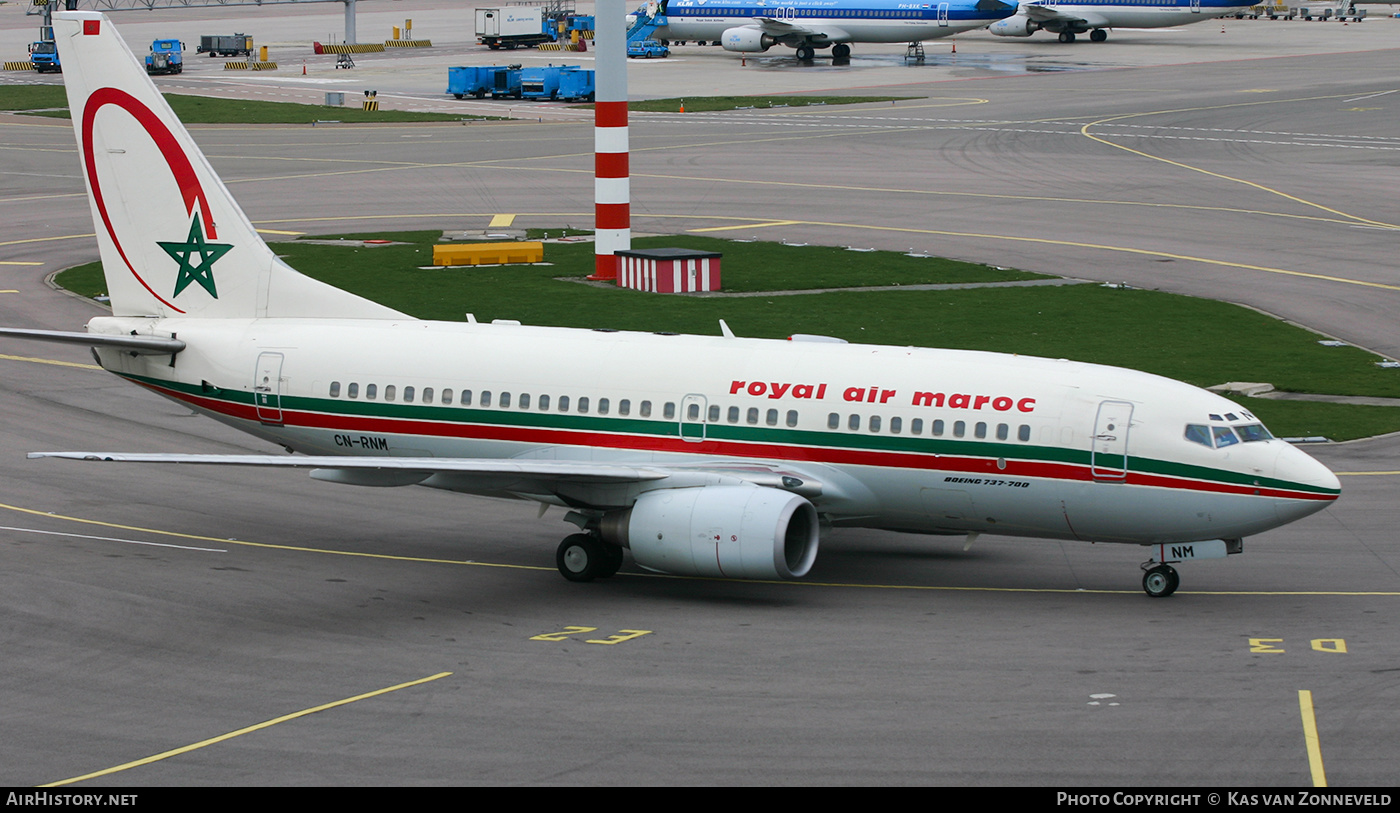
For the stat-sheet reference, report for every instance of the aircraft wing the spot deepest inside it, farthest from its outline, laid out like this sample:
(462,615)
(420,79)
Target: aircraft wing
(577,482)
(783,31)
(1051,14)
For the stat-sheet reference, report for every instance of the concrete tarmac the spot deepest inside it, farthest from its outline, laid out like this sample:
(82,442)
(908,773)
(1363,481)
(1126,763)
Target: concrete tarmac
(148,610)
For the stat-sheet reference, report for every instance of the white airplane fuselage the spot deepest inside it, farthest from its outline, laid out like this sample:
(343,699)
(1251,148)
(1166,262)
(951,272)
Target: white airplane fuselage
(755,25)
(1077,17)
(903,438)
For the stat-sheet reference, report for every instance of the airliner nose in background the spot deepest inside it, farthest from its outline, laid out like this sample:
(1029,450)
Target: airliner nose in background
(729,465)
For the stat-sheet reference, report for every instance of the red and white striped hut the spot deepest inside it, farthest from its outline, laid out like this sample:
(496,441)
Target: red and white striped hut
(668,270)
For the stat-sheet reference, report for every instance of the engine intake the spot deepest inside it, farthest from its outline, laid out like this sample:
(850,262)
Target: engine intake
(737,532)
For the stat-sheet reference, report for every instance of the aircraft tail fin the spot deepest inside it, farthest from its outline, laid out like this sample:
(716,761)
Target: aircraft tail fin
(173,240)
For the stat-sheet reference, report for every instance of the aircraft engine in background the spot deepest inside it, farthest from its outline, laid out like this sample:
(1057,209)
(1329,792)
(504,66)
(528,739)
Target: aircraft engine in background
(1016,26)
(737,532)
(747,39)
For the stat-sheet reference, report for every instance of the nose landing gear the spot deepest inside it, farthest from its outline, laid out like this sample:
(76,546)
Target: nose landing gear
(1159,580)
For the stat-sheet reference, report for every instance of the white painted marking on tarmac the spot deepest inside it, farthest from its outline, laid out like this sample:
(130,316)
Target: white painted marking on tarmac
(1372,96)
(111,539)
(1097,699)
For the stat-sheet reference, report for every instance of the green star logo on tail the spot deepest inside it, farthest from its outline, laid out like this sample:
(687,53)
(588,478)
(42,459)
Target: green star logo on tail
(196,259)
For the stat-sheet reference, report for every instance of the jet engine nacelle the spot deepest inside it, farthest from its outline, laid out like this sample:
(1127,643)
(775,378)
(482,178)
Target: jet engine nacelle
(1017,25)
(737,532)
(747,39)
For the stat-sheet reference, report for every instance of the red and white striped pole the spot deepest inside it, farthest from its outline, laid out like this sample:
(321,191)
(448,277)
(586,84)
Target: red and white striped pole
(612,208)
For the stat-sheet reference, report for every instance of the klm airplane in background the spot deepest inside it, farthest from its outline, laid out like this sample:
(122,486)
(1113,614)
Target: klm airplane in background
(754,26)
(1070,17)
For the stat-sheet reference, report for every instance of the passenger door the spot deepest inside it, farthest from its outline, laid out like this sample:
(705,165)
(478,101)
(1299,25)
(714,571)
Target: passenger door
(267,388)
(1109,457)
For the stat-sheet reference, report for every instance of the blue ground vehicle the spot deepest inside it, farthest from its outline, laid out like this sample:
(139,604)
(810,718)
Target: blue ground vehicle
(166,56)
(44,55)
(568,82)
(647,49)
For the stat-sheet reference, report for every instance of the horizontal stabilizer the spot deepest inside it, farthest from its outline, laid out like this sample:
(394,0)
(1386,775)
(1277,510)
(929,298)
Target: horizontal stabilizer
(141,345)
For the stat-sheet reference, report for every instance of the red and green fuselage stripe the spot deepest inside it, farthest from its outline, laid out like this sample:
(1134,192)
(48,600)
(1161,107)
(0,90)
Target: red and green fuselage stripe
(724,440)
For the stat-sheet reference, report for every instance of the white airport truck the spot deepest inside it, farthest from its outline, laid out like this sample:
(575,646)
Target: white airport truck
(511,27)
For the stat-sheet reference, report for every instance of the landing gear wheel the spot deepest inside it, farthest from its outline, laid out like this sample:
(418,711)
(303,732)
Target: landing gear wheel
(805,53)
(1098,35)
(840,51)
(581,558)
(1066,36)
(612,560)
(1160,581)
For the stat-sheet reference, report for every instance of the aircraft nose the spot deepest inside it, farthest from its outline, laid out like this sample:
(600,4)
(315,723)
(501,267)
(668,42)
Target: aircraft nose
(1296,466)
(1315,484)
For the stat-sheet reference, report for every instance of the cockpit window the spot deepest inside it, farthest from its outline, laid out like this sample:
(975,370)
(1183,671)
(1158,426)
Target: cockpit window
(1224,436)
(1196,433)
(1253,432)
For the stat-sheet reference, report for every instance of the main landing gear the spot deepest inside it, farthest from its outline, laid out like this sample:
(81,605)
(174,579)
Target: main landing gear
(1159,580)
(805,53)
(1096,35)
(585,557)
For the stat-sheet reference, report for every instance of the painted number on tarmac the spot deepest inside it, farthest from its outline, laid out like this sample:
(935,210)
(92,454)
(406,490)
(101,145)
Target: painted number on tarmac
(570,632)
(1274,646)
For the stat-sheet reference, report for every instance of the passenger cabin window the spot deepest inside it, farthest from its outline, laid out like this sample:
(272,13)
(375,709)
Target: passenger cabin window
(563,403)
(427,395)
(504,402)
(544,403)
(603,406)
(624,407)
(485,398)
(335,389)
(524,402)
(645,409)
(408,395)
(390,392)
(833,421)
(669,411)
(447,396)
(583,405)
(370,391)
(353,390)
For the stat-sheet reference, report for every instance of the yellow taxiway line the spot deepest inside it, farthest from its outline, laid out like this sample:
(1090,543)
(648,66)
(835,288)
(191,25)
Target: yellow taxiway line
(240,732)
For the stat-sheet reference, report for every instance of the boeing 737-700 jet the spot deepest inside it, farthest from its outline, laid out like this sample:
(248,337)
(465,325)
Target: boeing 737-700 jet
(1070,17)
(753,26)
(710,456)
